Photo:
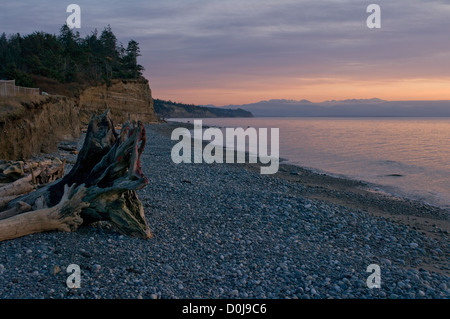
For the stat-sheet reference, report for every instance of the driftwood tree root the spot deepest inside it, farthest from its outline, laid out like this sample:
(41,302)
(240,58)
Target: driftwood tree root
(109,170)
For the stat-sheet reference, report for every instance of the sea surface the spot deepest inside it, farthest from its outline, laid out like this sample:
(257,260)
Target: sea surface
(408,157)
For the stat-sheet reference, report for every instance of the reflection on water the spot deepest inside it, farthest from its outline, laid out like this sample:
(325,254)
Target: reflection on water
(406,156)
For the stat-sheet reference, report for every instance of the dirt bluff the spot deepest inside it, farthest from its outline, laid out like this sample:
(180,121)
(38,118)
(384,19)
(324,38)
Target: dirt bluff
(31,125)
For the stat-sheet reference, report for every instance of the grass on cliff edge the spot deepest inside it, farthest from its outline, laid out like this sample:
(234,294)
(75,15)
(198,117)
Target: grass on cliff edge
(13,107)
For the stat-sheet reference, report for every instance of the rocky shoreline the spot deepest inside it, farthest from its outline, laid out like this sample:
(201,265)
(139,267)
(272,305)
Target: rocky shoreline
(225,231)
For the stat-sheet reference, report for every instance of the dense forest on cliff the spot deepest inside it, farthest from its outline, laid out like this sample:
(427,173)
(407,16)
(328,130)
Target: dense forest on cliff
(67,57)
(169,109)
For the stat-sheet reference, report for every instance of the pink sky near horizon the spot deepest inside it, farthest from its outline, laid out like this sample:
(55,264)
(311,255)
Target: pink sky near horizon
(235,92)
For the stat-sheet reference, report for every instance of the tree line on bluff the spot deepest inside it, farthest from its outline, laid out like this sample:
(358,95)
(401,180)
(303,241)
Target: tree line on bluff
(169,109)
(68,58)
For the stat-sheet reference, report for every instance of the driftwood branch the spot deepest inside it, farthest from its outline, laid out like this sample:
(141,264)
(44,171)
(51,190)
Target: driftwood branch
(64,216)
(39,174)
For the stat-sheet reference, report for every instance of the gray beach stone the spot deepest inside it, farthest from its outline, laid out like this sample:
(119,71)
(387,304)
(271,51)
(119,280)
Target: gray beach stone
(231,233)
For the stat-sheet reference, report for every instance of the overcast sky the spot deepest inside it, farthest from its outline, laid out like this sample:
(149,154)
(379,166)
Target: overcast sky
(233,52)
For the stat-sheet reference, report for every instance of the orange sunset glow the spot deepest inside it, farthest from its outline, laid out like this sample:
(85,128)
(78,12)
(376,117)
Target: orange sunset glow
(317,91)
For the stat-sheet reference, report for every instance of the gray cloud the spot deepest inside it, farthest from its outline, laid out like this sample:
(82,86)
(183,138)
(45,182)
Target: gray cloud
(202,40)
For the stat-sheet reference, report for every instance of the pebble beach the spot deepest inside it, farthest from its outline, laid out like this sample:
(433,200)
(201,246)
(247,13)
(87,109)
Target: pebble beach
(224,231)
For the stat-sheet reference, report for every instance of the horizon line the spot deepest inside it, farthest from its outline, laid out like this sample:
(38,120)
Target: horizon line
(312,102)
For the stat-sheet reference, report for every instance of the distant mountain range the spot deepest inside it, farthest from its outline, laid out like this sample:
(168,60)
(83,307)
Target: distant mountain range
(346,108)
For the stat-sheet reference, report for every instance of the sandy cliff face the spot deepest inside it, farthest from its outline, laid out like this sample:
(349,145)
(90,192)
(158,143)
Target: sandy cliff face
(31,125)
(127,99)
(43,122)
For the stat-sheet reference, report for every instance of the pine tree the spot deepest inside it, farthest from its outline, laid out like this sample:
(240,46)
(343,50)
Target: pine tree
(132,69)
(67,57)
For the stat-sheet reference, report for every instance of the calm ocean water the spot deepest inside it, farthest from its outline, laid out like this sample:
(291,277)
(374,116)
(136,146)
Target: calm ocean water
(409,157)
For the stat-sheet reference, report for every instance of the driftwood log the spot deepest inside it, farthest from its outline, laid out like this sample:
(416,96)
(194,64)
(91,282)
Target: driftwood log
(39,174)
(100,187)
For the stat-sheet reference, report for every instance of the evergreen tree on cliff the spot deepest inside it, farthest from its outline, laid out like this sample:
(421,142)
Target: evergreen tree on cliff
(67,57)
(132,70)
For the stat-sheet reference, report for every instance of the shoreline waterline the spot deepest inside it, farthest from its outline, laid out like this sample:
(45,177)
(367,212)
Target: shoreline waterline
(350,193)
(387,160)
(290,167)
(328,186)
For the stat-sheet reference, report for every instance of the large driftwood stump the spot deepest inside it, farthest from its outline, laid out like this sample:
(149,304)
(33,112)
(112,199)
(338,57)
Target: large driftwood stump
(107,174)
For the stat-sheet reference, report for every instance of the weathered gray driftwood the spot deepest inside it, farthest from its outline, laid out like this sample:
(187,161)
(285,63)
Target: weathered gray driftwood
(39,174)
(63,216)
(107,173)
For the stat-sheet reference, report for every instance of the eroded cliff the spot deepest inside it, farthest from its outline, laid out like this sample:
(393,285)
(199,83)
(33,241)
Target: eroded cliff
(35,124)
(127,100)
